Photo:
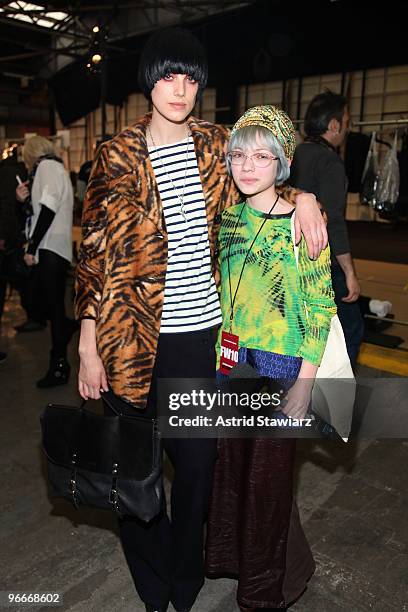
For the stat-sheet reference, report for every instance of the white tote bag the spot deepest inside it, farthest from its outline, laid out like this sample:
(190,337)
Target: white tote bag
(334,390)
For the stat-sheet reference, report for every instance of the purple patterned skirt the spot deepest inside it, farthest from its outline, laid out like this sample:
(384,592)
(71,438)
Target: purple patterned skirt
(254,531)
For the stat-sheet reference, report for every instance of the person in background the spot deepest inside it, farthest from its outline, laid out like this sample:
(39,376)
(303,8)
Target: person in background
(85,171)
(146,293)
(49,234)
(8,219)
(12,238)
(82,180)
(318,168)
(281,313)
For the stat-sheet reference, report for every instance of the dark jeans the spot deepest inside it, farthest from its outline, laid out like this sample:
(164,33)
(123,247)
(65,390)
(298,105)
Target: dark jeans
(52,275)
(349,315)
(165,557)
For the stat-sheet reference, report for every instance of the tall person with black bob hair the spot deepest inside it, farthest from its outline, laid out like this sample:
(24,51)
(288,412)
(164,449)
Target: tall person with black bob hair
(146,293)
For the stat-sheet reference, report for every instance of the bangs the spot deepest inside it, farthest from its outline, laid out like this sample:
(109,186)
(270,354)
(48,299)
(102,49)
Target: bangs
(178,66)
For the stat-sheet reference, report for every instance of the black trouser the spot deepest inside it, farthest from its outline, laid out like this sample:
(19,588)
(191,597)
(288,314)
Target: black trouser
(52,272)
(29,295)
(166,557)
(349,314)
(3,291)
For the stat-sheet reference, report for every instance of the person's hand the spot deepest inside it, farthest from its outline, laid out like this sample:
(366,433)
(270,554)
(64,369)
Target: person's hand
(29,260)
(22,192)
(353,288)
(2,244)
(309,221)
(92,377)
(297,399)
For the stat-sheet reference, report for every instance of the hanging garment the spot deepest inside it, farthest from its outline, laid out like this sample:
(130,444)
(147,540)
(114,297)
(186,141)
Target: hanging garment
(370,175)
(387,189)
(402,203)
(357,146)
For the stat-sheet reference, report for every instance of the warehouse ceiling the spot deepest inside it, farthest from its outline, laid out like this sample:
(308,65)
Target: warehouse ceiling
(47,48)
(38,39)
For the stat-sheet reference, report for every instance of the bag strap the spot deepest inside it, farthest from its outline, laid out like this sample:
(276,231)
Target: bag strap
(127,416)
(111,406)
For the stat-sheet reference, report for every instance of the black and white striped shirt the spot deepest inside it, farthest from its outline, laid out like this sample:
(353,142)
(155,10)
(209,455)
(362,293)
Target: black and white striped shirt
(190,295)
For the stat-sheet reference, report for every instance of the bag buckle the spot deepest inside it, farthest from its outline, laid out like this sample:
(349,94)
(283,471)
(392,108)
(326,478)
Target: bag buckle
(72,482)
(113,495)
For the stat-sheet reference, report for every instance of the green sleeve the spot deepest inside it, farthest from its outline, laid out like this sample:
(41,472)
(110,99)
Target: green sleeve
(318,296)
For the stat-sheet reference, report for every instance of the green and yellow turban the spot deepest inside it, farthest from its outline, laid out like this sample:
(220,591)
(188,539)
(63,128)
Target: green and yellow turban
(273,119)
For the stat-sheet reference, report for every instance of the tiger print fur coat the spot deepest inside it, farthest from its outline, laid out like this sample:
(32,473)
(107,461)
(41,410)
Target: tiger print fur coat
(123,256)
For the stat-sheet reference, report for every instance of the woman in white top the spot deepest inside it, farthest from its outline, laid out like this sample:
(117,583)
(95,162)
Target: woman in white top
(49,234)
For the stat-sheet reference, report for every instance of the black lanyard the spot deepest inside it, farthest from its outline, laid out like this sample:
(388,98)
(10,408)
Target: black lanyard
(233,298)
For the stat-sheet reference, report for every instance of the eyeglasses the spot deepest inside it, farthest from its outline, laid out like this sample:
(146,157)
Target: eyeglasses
(260,160)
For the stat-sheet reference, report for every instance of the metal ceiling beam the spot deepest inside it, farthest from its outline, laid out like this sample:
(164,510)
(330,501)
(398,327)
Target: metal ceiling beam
(37,12)
(56,33)
(178,5)
(17,71)
(42,50)
(40,29)
(159,4)
(18,43)
(18,56)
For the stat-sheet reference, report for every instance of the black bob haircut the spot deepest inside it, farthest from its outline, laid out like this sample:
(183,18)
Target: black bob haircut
(172,50)
(322,109)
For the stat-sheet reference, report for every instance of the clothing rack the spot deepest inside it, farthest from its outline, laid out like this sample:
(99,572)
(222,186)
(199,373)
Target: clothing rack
(381,122)
(363,123)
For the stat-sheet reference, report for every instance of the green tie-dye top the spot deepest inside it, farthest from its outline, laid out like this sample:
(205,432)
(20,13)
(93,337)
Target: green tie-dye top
(269,309)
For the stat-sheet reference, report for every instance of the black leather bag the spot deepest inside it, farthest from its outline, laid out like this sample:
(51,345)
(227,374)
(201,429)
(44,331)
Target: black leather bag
(110,462)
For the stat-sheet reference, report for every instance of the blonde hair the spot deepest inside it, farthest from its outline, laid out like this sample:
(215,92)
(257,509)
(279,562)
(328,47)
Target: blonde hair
(35,147)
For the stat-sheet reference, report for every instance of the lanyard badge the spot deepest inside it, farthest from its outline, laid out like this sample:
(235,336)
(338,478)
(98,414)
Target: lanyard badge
(229,352)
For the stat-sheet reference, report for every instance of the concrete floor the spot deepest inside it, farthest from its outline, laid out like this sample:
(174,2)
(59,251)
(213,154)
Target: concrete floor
(353,500)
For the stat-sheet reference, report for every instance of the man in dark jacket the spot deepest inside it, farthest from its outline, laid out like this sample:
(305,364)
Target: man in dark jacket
(318,168)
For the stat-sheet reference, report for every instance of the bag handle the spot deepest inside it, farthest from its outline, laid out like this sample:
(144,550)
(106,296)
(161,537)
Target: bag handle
(118,412)
(84,402)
